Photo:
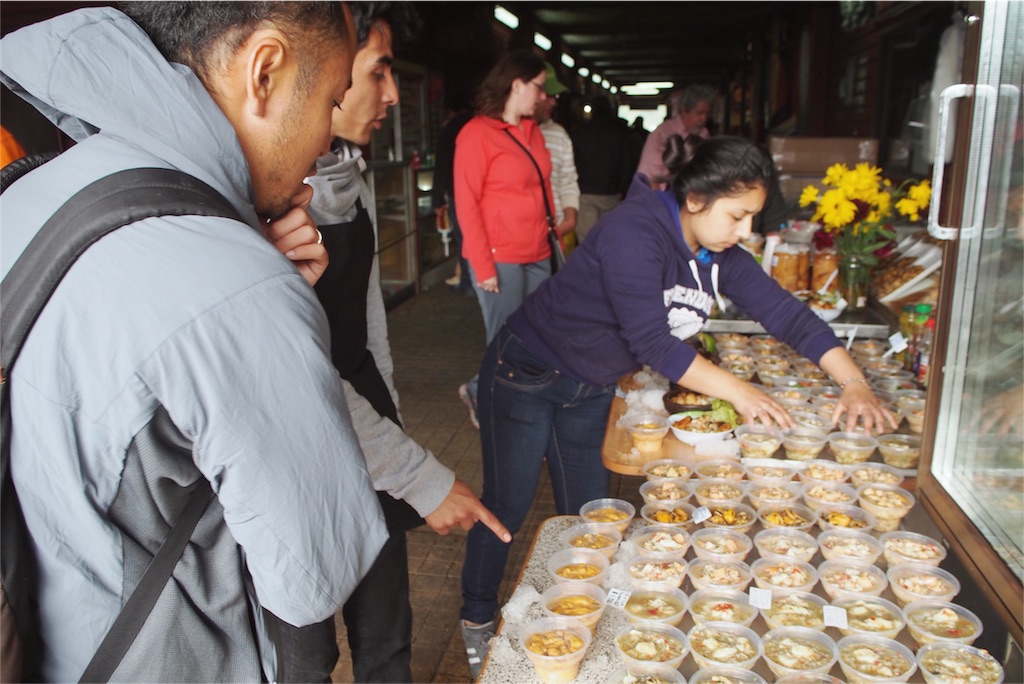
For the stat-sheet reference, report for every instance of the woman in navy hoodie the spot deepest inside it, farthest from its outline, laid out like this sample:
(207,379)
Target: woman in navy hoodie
(644,281)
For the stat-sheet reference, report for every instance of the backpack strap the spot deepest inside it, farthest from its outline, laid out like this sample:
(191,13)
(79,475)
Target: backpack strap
(109,203)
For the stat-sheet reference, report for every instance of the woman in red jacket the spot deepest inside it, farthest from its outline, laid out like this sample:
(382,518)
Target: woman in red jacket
(500,193)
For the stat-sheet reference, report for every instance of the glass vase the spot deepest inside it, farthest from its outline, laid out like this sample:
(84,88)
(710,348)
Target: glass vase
(853,280)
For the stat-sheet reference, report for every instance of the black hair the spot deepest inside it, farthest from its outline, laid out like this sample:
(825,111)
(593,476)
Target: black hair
(204,35)
(402,17)
(720,167)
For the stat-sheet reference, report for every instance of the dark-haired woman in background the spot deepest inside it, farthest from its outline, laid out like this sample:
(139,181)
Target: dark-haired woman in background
(643,281)
(499,193)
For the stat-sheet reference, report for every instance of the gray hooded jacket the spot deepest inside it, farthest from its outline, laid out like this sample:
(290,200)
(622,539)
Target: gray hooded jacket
(197,319)
(398,465)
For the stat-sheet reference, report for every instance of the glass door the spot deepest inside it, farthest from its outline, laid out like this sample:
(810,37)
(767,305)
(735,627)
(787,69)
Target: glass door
(977,460)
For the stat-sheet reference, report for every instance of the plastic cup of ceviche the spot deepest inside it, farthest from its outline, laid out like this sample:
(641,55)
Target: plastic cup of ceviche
(841,576)
(617,512)
(578,600)
(666,468)
(757,440)
(761,495)
(721,605)
(648,432)
(719,643)
(666,491)
(661,539)
(652,643)
(803,443)
(850,448)
(795,609)
(851,545)
(598,536)
(646,672)
(872,615)
(888,503)
(661,607)
(789,650)
(657,571)
(900,546)
(900,451)
(867,659)
(944,662)
(916,581)
(578,565)
(716,675)
(556,647)
(786,544)
(721,545)
(930,621)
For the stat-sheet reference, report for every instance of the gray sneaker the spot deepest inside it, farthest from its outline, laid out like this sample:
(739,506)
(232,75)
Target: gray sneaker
(470,401)
(478,643)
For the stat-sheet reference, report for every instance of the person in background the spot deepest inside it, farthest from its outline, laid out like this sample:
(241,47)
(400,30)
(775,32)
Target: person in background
(564,185)
(642,283)
(499,193)
(192,324)
(601,146)
(637,138)
(443,193)
(693,105)
(775,214)
(378,616)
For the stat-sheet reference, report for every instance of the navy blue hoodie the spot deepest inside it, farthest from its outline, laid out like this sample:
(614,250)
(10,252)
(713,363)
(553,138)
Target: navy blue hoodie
(633,292)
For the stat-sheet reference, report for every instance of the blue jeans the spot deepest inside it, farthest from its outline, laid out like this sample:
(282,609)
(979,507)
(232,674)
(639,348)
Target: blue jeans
(515,281)
(528,410)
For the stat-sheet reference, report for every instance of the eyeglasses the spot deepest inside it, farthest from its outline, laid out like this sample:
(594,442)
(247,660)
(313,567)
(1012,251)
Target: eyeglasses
(540,86)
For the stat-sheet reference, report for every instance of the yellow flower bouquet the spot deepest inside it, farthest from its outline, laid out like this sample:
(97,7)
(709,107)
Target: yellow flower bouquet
(857,207)
(856,211)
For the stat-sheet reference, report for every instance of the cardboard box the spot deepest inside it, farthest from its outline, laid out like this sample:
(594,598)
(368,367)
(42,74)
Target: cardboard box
(814,155)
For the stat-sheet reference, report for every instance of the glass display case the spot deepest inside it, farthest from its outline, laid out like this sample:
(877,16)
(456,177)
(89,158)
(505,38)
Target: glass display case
(391,185)
(435,248)
(974,476)
(403,141)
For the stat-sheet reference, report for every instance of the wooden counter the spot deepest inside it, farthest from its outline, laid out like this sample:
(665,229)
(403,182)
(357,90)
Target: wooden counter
(618,445)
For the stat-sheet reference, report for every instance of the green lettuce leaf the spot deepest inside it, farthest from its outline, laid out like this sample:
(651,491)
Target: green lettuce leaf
(724,411)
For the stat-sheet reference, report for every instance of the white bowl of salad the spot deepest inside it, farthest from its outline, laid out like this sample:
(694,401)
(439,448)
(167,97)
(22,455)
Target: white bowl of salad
(694,427)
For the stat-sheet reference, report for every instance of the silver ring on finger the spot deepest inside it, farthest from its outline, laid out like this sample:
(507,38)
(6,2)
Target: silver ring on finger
(319,236)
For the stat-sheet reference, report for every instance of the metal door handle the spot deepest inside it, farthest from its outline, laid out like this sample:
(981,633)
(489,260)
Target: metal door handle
(949,94)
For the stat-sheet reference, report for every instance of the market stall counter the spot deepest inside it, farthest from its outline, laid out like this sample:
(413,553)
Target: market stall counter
(878,615)
(809,553)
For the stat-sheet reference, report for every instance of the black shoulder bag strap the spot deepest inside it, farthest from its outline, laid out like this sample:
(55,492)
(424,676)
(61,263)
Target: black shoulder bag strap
(117,200)
(557,251)
(543,190)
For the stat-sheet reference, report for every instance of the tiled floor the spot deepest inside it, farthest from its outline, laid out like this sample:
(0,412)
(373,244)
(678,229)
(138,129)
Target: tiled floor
(437,341)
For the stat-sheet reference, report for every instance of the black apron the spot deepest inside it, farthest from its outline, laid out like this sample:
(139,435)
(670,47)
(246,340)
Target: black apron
(342,292)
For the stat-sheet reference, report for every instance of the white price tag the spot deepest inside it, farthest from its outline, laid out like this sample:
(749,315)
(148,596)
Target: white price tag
(835,617)
(760,598)
(701,514)
(898,342)
(617,598)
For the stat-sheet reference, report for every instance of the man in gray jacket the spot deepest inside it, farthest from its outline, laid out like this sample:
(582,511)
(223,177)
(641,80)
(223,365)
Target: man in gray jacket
(195,320)
(412,484)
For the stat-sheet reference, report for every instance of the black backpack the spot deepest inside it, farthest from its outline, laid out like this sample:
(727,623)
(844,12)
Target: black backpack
(101,207)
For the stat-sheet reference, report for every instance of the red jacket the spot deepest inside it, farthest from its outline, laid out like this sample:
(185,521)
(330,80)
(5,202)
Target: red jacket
(498,198)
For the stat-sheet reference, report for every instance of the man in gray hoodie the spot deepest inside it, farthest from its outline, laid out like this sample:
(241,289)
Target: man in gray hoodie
(412,484)
(194,320)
